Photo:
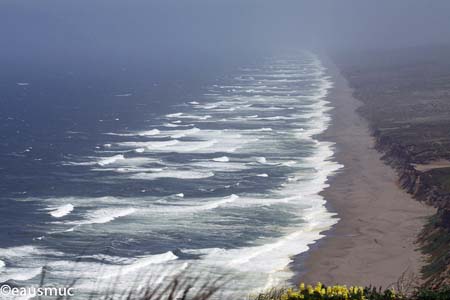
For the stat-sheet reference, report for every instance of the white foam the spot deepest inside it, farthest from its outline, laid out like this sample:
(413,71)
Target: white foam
(270,258)
(119,163)
(189,206)
(21,251)
(205,117)
(261,129)
(153,145)
(19,274)
(261,160)
(174,115)
(24,262)
(266,263)
(289,163)
(221,159)
(150,260)
(116,160)
(139,133)
(187,116)
(256,103)
(218,166)
(210,205)
(178,174)
(134,272)
(210,106)
(171,125)
(182,133)
(109,160)
(277,118)
(176,124)
(149,132)
(118,260)
(23,83)
(61,211)
(139,265)
(227,143)
(92,201)
(104,215)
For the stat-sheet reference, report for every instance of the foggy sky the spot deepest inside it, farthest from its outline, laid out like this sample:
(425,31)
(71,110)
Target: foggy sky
(50,29)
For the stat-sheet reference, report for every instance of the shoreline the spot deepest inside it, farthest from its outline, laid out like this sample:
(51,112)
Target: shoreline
(374,241)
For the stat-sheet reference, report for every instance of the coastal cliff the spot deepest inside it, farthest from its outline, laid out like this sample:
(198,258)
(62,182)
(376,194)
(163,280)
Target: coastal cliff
(406,97)
(425,186)
(422,184)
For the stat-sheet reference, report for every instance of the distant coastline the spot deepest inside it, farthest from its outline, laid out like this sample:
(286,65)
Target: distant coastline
(374,241)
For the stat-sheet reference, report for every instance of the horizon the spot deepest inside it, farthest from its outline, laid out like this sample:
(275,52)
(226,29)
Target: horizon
(224,149)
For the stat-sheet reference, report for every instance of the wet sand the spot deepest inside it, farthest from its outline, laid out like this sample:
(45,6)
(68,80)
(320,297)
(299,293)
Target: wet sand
(374,241)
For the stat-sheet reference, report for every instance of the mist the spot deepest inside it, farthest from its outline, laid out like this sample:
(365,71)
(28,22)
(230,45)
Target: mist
(107,30)
(145,140)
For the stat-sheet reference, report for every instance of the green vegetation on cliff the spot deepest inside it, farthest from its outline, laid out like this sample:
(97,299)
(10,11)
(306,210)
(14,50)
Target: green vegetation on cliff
(406,97)
(342,292)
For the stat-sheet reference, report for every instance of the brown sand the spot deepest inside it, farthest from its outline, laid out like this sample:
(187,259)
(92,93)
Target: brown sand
(374,242)
(438,164)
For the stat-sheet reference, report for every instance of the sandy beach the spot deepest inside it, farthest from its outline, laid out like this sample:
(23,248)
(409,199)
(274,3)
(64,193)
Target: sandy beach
(374,241)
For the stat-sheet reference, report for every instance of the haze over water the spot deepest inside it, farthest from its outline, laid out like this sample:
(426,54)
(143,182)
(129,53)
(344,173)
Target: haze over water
(145,138)
(224,178)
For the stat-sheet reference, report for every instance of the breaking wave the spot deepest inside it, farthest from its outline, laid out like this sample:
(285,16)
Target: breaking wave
(233,178)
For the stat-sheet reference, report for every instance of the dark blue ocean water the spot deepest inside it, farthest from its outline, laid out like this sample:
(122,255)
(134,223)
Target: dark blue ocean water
(153,169)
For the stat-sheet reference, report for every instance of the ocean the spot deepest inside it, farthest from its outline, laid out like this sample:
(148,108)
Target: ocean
(146,177)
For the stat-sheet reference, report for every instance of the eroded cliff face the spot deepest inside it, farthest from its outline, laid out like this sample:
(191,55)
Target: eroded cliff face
(425,187)
(409,116)
(422,184)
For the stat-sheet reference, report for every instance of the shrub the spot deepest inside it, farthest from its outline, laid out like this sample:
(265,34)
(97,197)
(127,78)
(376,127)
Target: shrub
(336,292)
(429,294)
